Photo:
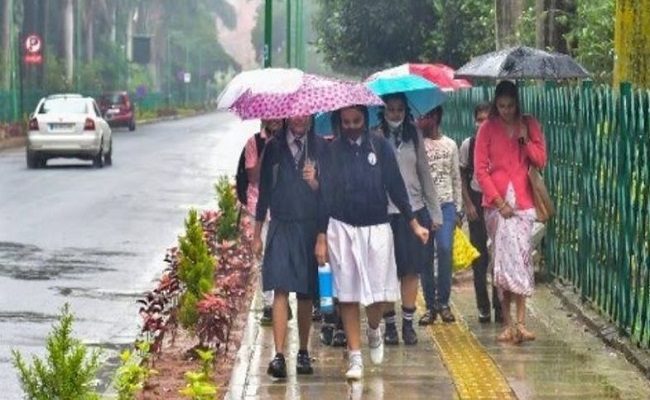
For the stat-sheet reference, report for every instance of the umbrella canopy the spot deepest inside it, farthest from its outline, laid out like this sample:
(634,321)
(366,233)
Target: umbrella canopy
(315,94)
(267,80)
(422,95)
(439,74)
(522,63)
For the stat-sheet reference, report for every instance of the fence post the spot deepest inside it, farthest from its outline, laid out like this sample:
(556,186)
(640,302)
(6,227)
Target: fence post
(623,195)
(583,97)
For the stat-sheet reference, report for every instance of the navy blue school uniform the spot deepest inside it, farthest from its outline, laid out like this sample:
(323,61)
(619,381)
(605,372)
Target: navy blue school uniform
(360,179)
(289,261)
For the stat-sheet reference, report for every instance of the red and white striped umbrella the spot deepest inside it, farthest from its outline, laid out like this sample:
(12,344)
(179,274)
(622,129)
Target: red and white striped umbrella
(441,75)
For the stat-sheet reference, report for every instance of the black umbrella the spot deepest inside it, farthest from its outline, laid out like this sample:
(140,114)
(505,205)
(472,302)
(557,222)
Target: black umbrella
(522,63)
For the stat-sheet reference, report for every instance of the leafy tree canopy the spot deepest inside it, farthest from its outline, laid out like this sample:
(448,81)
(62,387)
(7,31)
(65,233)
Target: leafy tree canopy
(372,34)
(361,37)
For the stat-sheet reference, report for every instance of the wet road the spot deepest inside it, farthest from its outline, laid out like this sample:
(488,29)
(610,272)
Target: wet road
(96,238)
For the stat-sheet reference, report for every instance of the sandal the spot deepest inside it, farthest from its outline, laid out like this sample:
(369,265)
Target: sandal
(505,335)
(524,334)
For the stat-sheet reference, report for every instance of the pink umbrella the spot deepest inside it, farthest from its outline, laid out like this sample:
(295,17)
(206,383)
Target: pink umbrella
(315,94)
(440,74)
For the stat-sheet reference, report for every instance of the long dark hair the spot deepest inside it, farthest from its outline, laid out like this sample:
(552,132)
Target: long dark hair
(409,131)
(505,89)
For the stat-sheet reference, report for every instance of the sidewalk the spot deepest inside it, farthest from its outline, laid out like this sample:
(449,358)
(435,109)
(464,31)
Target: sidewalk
(456,361)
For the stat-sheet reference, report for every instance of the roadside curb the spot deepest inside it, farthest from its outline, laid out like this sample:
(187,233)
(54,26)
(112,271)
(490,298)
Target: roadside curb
(602,328)
(12,142)
(241,371)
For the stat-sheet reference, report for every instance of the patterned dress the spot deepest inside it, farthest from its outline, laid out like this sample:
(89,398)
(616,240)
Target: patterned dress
(510,248)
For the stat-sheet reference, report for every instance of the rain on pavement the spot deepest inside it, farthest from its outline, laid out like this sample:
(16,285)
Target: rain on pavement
(96,238)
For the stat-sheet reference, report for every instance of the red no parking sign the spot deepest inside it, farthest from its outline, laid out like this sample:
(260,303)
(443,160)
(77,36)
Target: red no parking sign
(33,46)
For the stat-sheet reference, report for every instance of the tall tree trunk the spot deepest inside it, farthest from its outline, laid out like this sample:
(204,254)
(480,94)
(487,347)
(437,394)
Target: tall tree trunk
(112,18)
(508,13)
(6,44)
(632,43)
(551,37)
(89,35)
(68,39)
(540,24)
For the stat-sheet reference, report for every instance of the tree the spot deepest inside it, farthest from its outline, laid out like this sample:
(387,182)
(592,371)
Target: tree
(507,16)
(466,29)
(359,36)
(68,38)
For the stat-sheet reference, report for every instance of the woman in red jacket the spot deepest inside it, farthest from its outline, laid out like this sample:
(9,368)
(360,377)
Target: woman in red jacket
(507,145)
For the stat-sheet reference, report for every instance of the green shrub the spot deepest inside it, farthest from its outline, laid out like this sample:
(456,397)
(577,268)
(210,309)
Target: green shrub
(131,375)
(68,370)
(227,201)
(195,269)
(198,385)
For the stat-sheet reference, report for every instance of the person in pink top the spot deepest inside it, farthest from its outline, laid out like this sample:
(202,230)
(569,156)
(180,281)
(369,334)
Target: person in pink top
(252,162)
(507,145)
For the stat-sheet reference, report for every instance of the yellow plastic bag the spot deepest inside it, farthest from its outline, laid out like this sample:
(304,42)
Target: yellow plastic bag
(463,253)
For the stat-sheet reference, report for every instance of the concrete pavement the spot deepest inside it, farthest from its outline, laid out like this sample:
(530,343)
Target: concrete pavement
(457,361)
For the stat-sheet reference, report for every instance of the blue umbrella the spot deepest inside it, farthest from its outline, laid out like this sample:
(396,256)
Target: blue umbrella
(421,94)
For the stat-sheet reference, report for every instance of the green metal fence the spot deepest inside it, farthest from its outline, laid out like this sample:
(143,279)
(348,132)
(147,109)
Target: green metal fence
(598,143)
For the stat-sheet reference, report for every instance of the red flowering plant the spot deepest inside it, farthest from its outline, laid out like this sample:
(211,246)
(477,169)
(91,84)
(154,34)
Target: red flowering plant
(215,319)
(159,306)
(213,311)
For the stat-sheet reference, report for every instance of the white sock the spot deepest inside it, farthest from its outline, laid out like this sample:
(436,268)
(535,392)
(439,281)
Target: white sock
(352,353)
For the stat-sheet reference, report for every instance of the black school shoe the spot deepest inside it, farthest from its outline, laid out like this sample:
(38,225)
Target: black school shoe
(390,335)
(267,316)
(326,334)
(339,339)
(409,336)
(277,367)
(303,364)
(484,317)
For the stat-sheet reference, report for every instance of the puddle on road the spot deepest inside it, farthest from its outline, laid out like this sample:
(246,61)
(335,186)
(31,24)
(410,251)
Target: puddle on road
(95,293)
(26,316)
(29,262)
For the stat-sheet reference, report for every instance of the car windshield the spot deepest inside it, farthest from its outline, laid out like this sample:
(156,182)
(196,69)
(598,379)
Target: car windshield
(64,105)
(111,99)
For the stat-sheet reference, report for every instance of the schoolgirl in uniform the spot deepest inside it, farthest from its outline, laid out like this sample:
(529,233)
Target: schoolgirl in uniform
(289,187)
(360,173)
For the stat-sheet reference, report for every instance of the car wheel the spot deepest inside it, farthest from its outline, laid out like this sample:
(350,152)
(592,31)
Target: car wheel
(108,157)
(98,160)
(132,125)
(32,160)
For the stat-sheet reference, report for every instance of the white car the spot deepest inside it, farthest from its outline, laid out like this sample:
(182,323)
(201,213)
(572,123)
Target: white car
(70,126)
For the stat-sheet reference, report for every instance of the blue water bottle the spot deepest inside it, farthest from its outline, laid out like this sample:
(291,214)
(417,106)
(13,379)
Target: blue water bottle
(325,288)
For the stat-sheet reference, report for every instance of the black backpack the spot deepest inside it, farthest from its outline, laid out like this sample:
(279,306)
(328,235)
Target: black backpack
(241,178)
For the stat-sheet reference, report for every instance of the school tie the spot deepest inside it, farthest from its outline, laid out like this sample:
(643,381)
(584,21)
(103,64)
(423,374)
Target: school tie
(397,137)
(296,157)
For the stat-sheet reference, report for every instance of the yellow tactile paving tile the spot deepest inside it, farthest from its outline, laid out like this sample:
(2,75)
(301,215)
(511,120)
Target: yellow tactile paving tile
(473,371)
